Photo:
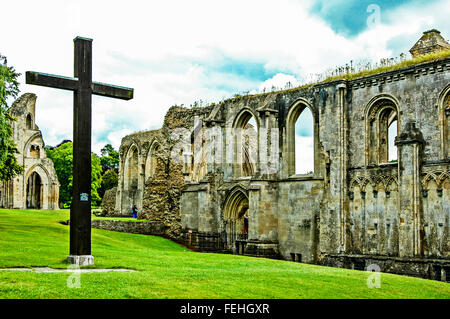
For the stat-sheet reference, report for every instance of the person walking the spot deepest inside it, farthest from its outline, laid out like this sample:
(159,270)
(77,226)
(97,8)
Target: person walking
(134,211)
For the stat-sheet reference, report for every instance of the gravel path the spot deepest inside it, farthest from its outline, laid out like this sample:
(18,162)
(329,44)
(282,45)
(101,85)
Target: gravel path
(69,269)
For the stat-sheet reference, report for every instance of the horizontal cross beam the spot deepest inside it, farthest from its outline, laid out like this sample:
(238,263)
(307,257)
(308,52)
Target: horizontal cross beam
(50,80)
(118,92)
(69,83)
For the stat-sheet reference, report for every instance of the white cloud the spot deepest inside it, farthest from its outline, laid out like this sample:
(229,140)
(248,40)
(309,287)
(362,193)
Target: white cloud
(279,81)
(304,154)
(167,51)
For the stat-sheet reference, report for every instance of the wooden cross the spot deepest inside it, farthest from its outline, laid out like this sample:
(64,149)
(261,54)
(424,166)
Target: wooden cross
(83,87)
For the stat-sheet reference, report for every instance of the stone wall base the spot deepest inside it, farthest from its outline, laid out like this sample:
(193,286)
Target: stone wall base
(436,269)
(262,249)
(217,242)
(133,227)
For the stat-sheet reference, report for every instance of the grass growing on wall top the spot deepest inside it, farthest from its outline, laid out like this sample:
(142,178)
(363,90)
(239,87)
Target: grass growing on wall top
(421,59)
(353,75)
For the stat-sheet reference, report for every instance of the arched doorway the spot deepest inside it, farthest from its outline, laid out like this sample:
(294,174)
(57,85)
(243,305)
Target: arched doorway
(34,191)
(236,219)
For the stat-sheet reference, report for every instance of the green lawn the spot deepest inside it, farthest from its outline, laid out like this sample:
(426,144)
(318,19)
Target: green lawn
(167,270)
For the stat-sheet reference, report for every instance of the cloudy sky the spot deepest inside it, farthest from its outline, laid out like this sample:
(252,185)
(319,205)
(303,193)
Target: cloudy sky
(177,52)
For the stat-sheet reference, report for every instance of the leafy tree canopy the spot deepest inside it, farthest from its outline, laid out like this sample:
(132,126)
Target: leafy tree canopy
(109,158)
(62,157)
(9,89)
(109,180)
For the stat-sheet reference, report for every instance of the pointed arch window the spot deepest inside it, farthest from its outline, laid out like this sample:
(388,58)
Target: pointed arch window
(132,168)
(304,143)
(246,144)
(150,163)
(445,144)
(29,122)
(382,126)
(302,131)
(392,148)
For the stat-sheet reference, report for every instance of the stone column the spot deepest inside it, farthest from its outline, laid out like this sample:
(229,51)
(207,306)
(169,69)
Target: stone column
(410,150)
(214,146)
(268,144)
(343,147)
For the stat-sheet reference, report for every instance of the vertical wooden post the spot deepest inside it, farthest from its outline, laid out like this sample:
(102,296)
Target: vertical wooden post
(83,88)
(80,212)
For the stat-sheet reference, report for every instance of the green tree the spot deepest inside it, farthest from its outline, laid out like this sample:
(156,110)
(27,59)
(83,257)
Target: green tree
(9,89)
(96,179)
(62,157)
(109,158)
(109,180)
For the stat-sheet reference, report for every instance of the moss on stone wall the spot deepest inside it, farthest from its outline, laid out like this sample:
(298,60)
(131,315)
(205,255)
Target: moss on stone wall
(109,202)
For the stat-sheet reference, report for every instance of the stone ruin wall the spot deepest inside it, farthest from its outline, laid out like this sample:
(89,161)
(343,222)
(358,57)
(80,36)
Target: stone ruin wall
(161,180)
(355,208)
(38,186)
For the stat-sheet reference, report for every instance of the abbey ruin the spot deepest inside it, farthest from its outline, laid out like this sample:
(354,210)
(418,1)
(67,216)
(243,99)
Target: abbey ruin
(209,167)
(38,186)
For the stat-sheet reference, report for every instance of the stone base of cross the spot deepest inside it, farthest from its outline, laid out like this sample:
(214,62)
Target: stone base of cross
(81,261)
(83,87)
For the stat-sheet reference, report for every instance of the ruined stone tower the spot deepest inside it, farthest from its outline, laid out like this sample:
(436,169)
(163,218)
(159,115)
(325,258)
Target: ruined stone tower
(430,42)
(38,186)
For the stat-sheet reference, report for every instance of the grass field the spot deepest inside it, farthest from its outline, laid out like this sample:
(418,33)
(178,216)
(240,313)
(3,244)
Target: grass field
(167,270)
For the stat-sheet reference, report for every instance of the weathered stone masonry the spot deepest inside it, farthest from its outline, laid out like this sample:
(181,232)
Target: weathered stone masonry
(355,209)
(38,186)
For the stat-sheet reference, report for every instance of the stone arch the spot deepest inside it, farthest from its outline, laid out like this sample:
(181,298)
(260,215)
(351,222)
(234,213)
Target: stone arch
(355,182)
(380,113)
(392,184)
(131,171)
(36,188)
(364,182)
(29,122)
(27,148)
(151,160)
(235,208)
(198,163)
(444,121)
(381,184)
(295,110)
(132,178)
(198,155)
(431,176)
(443,176)
(246,143)
(244,115)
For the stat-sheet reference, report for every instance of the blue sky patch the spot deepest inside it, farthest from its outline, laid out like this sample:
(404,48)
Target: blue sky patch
(251,70)
(350,17)
(305,124)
